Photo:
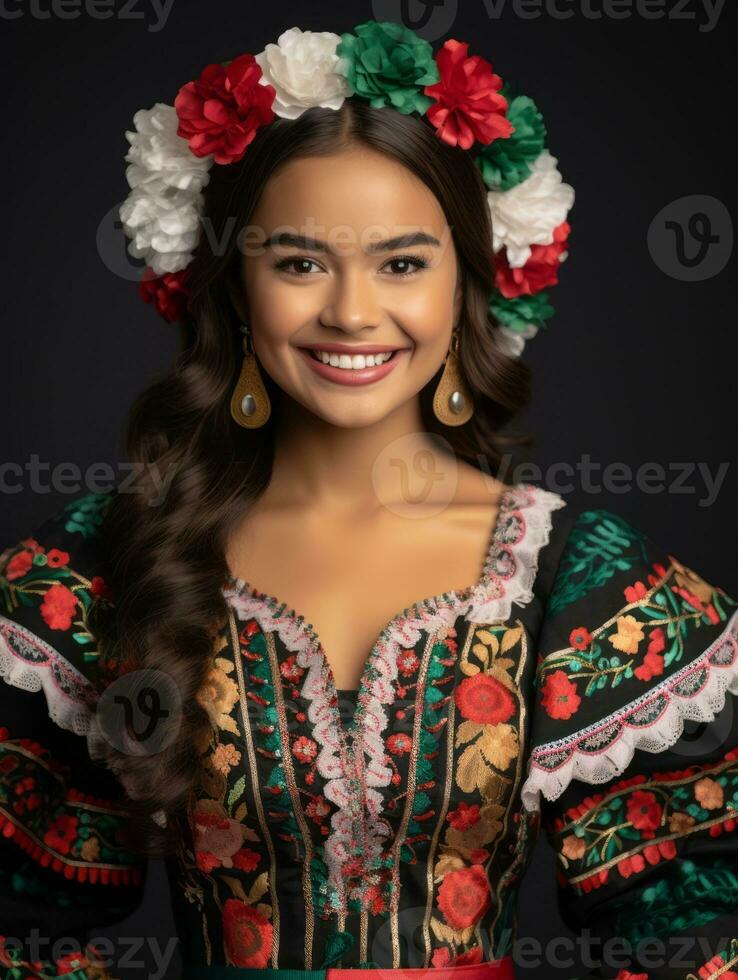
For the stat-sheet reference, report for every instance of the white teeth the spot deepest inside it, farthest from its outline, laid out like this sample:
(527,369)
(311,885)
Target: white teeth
(352,363)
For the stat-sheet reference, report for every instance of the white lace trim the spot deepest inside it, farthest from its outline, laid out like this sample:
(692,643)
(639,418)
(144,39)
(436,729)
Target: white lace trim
(68,711)
(535,509)
(702,704)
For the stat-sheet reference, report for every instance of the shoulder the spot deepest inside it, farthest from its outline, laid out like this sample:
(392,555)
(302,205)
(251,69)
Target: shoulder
(49,580)
(633,641)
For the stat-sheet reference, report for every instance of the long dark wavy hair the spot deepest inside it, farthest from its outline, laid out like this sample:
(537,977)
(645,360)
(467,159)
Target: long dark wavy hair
(166,554)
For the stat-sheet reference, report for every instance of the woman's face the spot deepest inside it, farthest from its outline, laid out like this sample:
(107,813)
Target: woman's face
(340,287)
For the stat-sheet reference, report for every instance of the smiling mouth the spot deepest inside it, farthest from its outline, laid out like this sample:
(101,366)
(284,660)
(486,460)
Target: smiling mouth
(350,362)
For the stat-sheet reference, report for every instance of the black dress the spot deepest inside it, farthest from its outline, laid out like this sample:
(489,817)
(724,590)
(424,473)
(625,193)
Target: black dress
(554,687)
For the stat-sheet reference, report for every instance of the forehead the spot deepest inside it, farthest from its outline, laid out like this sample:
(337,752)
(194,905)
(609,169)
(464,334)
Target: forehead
(357,189)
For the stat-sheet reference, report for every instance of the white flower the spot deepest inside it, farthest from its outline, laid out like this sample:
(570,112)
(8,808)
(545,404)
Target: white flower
(513,341)
(305,71)
(529,213)
(161,214)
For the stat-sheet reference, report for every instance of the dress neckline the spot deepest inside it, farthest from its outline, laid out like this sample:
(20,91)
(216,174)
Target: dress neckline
(239,587)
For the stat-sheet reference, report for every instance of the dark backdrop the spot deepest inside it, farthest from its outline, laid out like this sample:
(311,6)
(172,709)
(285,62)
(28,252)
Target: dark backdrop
(635,368)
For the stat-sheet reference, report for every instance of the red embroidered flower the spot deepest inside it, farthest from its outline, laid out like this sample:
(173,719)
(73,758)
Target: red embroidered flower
(291,670)
(478,855)
(407,662)
(633,593)
(464,816)
(484,699)
(399,744)
(70,963)
(168,293)
(464,896)
(99,588)
(442,957)
(304,749)
(711,970)
(247,934)
(222,111)
(644,811)
(19,565)
(580,638)
(541,269)
(56,558)
(468,105)
(58,607)
(560,698)
(653,662)
(627,975)
(246,860)
(61,833)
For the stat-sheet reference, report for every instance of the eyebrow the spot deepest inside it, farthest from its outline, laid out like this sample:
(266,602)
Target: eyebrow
(286,239)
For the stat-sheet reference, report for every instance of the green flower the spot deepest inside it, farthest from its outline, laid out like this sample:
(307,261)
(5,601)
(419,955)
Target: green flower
(506,162)
(388,64)
(517,313)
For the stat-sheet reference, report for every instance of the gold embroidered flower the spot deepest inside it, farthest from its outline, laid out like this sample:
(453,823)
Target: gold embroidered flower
(709,794)
(224,758)
(679,823)
(90,850)
(628,636)
(217,695)
(692,582)
(573,847)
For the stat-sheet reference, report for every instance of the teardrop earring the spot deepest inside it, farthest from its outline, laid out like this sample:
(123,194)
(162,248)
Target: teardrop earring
(250,405)
(452,402)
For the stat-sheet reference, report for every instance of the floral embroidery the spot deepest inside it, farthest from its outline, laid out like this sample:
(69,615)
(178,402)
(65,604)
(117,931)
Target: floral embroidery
(666,610)
(612,831)
(72,833)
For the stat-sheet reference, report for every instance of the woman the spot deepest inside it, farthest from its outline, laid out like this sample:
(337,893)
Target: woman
(356,234)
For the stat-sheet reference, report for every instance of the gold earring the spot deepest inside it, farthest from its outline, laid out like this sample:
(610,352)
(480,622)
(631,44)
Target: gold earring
(452,402)
(250,405)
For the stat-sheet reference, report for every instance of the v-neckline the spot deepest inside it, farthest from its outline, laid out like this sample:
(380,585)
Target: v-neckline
(239,587)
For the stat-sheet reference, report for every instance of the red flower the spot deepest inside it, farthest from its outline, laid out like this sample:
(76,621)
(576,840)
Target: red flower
(407,662)
(70,963)
(560,698)
(246,860)
(635,592)
(168,293)
(653,662)
(19,565)
(99,587)
(291,670)
(468,104)
(484,700)
(61,833)
(541,269)
(464,896)
(627,975)
(442,957)
(247,934)
(304,749)
(399,744)
(464,816)
(644,811)
(580,638)
(56,558)
(222,111)
(58,607)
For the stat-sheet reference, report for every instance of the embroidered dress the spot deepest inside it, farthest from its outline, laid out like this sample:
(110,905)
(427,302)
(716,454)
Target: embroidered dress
(553,691)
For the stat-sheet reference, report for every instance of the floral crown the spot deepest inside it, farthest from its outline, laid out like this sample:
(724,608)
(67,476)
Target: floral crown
(216,117)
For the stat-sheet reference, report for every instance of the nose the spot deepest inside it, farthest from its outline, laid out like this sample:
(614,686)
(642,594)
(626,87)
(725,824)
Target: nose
(353,302)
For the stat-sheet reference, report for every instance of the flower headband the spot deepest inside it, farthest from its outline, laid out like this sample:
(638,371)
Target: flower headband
(216,117)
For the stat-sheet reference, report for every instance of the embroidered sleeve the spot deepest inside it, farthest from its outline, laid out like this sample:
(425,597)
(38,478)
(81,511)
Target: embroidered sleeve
(635,752)
(63,867)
